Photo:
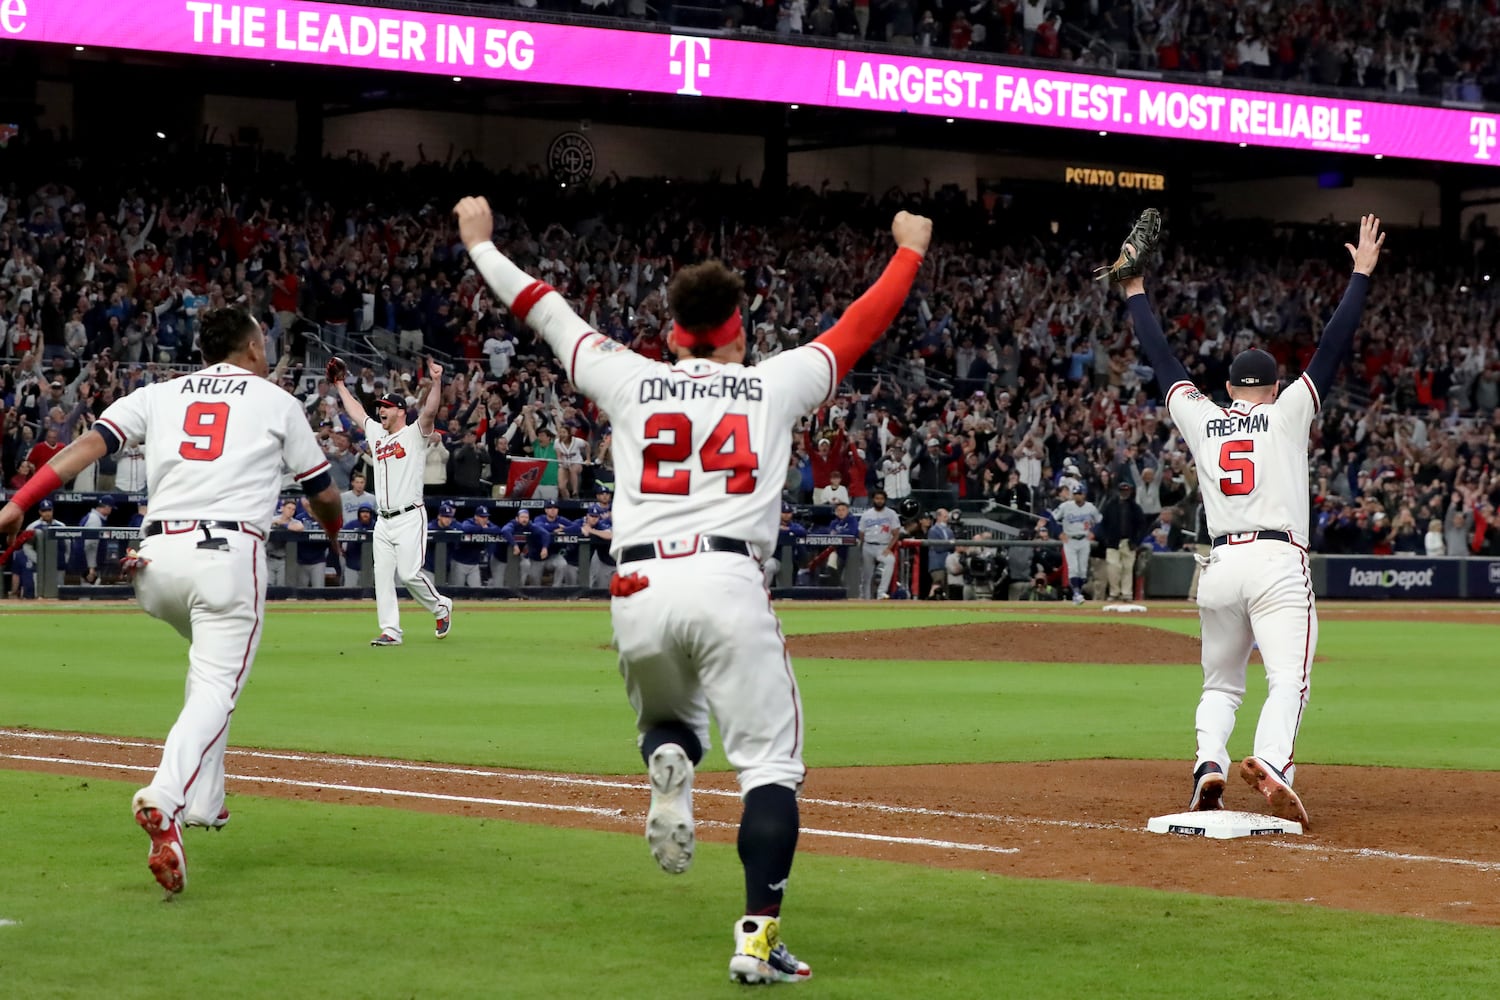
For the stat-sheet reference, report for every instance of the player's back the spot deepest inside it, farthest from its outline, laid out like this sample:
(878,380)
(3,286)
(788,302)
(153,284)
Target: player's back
(1251,458)
(216,442)
(702,448)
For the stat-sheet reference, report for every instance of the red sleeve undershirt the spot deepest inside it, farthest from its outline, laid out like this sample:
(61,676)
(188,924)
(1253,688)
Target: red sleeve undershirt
(867,319)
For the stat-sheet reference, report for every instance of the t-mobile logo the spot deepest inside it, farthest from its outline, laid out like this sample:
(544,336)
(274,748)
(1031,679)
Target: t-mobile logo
(693,64)
(1482,136)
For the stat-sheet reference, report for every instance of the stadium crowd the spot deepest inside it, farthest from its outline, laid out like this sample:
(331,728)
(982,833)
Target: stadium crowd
(1010,377)
(1448,49)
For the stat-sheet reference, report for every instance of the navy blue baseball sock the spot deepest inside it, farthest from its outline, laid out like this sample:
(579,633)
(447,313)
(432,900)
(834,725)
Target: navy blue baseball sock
(767,842)
(671,732)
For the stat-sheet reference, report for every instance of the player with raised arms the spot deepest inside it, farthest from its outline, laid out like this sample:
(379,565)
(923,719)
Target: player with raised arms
(700,449)
(1252,468)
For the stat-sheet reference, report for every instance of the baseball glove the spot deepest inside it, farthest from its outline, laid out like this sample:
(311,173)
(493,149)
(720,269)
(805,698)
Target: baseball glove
(337,370)
(1136,251)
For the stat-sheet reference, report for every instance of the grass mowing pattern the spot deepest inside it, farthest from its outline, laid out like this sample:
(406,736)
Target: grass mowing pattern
(539,689)
(310,901)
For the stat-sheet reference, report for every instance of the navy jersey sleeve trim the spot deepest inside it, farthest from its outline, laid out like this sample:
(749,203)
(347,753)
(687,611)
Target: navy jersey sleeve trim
(314,485)
(1169,371)
(1338,335)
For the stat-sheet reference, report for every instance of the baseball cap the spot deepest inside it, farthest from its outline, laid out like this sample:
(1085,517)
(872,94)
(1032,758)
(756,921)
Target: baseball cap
(549,504)
(44,505)
(107,500)
(1078,490)
(481,511)
(446,508)
(1252,367)
(57,384)
(595,510)
(1130,487)
(604,488)
(786,508)
(391,399)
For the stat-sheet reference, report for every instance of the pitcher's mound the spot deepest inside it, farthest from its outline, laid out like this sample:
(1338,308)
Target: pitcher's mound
(1014,642)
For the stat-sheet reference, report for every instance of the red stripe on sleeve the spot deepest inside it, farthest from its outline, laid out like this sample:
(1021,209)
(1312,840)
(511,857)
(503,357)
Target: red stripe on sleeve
(310,472)
(529,297)
(1179,385)
(573,361)
(864,322)
(114,427)
(1317,400)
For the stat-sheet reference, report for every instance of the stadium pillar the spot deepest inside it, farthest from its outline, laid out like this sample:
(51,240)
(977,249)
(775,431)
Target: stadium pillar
(309,129)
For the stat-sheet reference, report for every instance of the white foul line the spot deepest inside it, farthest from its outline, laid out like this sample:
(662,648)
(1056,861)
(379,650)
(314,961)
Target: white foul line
(475,800)
(550,779)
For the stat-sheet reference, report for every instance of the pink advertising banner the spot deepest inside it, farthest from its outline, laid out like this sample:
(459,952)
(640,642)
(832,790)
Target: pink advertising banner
(383,38)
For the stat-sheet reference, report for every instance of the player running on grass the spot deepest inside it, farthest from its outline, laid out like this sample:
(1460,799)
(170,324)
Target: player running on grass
(1252,467)
(215,444)
(700,447)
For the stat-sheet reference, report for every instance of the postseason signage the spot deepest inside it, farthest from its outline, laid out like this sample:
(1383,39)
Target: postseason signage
(390,39)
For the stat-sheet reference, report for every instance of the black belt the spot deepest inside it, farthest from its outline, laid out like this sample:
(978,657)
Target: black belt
(398,513)
(160,527)
(1241,537)
(708,543)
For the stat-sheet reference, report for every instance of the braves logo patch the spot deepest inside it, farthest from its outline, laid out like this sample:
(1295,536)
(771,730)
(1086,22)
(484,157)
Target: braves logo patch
(394,449)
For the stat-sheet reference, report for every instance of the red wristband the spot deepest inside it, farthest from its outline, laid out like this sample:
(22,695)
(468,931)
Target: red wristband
(42,482)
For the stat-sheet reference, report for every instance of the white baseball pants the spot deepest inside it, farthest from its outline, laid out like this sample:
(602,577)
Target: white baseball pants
(1076,551)
(702,638)
(1257,592)
(215,599)
(887,563)
(400,552)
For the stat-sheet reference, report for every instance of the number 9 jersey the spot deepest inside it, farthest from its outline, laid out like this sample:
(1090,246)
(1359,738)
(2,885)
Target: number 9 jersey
(216,443)
(1252,457)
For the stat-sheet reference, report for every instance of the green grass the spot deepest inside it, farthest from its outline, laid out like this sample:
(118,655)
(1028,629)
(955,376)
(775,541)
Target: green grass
(308,900)
(539,688)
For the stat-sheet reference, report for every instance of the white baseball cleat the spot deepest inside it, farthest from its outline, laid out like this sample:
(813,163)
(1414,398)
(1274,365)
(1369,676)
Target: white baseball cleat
(669,822)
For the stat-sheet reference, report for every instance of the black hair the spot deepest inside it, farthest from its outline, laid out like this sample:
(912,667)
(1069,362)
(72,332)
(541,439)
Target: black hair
(701,296)
(224,332)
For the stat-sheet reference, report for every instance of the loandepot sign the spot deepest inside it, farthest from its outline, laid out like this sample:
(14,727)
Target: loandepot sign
(1391,579)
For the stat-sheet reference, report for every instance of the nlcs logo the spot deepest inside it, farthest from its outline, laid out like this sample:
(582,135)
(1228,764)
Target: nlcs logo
(1482,136)
(694,63)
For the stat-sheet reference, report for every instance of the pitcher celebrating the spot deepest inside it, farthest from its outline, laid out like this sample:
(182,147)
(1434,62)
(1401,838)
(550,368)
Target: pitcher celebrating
(700,447)
(215,444)
(1252,466)
(399,451)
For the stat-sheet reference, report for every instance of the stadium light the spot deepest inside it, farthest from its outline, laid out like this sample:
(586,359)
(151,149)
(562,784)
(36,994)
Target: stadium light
(796,106)
(458,79)
(1486,277)
(948,120)
(1244,144)
(1379,156)
(1102,132)
(78,48)
(161,135)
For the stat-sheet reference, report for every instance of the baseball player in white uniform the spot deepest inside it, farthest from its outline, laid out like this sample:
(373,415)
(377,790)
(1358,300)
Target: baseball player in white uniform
(1078,518)
(700,447)
(216,443)
(879,530)
(399,453)
(1252,468)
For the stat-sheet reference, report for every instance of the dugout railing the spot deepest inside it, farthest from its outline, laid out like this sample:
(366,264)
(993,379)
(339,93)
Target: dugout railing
(816,567)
